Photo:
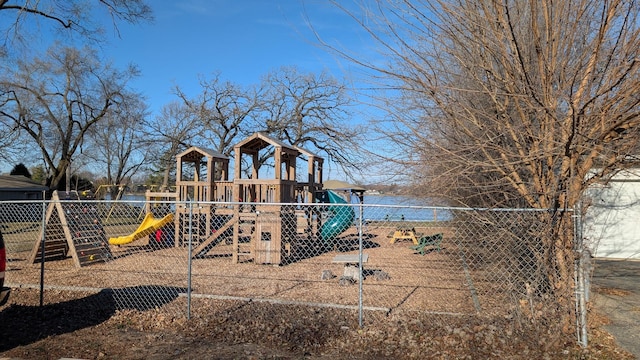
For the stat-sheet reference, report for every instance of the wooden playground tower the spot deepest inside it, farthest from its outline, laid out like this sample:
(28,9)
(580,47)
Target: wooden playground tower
(254,212)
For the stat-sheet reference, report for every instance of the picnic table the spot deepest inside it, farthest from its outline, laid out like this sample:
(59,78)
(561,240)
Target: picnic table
(404,233)
(427,241)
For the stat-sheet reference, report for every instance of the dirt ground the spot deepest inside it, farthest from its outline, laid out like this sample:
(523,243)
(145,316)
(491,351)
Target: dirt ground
(434,282)
(88,326)
(134,308)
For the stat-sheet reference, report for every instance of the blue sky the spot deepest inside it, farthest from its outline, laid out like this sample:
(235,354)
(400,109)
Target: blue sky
(242,40)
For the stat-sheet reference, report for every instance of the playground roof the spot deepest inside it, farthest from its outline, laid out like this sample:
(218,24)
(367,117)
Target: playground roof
(260,140)
(203,152)
(308,153)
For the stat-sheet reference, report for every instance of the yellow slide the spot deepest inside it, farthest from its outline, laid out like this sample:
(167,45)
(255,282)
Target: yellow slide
(148,226)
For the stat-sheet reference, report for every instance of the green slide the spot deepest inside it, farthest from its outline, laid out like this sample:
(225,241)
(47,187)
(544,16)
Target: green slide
(339,219)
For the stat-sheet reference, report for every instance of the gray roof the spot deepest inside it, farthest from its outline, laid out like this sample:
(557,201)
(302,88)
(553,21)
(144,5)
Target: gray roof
(341,185)
(19,182)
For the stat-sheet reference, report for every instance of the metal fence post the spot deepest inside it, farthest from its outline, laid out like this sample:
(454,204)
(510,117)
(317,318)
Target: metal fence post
(42,246)
(583,306)
(578,278)
(361,277)
(189,261)
(581,276)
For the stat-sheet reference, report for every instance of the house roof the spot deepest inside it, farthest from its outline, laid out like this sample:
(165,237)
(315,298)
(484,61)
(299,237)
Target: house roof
(20,183)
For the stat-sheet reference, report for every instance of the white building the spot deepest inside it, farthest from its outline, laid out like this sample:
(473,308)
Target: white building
(612,223)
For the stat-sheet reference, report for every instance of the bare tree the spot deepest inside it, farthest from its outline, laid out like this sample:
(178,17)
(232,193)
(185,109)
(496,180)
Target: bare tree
(223,109)
(513,103)
(306,110)
(117,144)
(23,21)
(55,100)
(8,137)
(311,111)
(74,15)
(174,130)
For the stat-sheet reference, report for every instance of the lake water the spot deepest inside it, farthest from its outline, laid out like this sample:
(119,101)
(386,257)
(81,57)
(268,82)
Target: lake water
(376,207)
(393,208)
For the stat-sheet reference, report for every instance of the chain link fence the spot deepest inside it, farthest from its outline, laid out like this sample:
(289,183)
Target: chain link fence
(367,258)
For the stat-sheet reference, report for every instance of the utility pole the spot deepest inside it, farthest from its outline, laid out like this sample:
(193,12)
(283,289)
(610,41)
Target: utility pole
(68,180)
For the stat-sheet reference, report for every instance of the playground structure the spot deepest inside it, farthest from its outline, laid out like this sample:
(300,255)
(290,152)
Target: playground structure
(263,219)
(148,226)
(72,228)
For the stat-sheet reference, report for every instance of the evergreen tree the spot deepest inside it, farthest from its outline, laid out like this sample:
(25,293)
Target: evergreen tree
(20,169)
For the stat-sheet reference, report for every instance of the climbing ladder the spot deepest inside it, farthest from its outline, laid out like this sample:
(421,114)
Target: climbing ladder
(198,226)
(244,234)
